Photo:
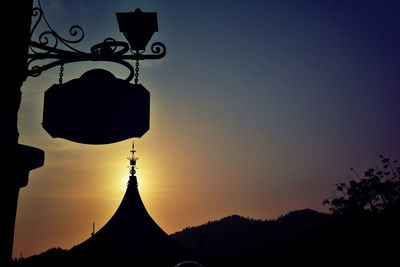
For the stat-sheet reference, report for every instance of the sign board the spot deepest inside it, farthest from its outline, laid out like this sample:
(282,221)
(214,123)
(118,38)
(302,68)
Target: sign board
(96,108)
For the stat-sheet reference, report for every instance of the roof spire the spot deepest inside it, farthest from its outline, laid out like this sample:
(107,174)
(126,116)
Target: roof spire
(92,229)
(131,235)
(132,162)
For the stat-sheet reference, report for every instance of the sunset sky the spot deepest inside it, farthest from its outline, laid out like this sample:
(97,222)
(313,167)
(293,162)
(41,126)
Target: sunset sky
(259,108)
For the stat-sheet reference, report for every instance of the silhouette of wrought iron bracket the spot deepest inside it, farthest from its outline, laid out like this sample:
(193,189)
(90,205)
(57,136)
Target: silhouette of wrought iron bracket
(46,49)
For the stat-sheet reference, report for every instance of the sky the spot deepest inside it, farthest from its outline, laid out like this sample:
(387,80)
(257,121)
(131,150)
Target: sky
(259,108)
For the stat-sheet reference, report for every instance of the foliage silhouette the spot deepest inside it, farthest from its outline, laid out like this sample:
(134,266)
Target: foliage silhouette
(378,190)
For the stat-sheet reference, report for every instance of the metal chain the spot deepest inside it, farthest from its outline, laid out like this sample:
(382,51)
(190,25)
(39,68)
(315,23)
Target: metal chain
(137,72)
(61,73)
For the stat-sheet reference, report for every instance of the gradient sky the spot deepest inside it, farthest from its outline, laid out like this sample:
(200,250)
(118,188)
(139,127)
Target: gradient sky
(259,108)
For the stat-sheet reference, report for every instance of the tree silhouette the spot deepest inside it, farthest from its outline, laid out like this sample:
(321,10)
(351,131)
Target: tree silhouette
(376,191)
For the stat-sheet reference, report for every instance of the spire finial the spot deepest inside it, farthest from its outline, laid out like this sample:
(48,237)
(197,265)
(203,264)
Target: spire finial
(132,162)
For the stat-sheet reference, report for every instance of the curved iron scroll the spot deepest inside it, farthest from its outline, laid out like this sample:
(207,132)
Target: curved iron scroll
(47,48)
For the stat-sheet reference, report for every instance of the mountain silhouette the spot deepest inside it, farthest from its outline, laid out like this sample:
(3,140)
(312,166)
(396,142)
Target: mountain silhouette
(298,238)
(240,241)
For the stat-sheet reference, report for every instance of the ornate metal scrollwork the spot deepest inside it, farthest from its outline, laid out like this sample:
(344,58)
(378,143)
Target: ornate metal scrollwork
(47,47)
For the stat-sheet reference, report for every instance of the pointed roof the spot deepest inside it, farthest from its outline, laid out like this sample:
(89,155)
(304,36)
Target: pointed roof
(131,236)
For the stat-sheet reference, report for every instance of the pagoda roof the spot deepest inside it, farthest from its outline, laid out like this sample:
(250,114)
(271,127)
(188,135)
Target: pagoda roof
(131,237)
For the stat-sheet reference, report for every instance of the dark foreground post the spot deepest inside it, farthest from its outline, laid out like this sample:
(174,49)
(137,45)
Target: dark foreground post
(17,160)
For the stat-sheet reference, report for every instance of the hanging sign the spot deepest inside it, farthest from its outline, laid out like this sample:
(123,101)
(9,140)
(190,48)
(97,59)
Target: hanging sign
(96,108)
